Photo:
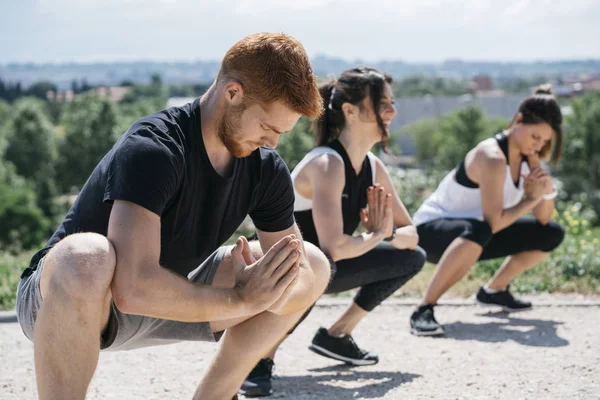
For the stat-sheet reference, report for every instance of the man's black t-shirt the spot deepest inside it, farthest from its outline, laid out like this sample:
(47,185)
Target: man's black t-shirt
(161,164)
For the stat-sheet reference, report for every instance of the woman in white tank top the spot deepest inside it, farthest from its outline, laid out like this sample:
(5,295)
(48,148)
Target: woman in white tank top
(477,212)
(333,185)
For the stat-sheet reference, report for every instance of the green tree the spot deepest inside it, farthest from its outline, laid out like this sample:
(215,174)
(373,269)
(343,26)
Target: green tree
(417,86)
(41,89)
(444,142)
(423,132)
(580,166)
(91,127)
(4,111)
(32,150)
(31,147)
(131,112)
(23,223)
(155,91)
(459,132)
(293,146)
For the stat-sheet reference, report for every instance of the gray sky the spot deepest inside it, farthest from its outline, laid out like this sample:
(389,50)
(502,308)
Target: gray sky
(410,30)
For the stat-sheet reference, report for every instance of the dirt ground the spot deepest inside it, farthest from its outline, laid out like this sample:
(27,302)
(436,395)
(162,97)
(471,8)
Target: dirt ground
(551,352)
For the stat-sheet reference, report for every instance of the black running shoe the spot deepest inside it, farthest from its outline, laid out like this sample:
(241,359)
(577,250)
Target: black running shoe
(258,382)
(342,348)
(423,323)
(503,299)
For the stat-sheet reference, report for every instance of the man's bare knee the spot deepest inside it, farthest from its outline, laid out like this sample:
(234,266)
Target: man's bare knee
(256,249)
(81,266)
(320,266)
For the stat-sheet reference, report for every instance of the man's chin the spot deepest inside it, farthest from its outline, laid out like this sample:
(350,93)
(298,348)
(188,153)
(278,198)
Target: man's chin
(240,152)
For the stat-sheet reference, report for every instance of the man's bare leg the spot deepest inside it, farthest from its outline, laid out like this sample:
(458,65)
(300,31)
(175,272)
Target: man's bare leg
(241,347)
(75,287)
(235,357)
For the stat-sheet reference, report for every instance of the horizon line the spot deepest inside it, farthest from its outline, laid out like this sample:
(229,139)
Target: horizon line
(356,60)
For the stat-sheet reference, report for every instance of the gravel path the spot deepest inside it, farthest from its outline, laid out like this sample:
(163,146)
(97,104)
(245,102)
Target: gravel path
(551,352)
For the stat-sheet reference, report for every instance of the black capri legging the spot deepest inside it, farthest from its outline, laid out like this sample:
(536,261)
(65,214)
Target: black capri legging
(525,234)
(378,273)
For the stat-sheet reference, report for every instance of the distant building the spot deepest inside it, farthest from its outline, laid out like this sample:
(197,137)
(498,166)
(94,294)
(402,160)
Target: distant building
(61,95)
(481,83)
(582,83)
(114,93)
(497,104)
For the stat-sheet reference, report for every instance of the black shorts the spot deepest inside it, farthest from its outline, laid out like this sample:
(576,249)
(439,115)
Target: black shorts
(525,234)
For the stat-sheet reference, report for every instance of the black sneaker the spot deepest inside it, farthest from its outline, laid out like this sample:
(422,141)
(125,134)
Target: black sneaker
(503,299)
(342,348)
(423,323)
(258,382)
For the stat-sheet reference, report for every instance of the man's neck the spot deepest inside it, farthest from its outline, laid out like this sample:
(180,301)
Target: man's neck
(210,111)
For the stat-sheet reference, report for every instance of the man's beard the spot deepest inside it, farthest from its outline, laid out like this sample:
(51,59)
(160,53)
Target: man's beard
(229,128)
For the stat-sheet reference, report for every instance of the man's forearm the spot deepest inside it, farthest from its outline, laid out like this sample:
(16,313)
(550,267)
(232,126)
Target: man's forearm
(166,295)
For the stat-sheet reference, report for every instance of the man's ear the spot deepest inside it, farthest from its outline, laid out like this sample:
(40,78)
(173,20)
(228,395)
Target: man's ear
(233,92)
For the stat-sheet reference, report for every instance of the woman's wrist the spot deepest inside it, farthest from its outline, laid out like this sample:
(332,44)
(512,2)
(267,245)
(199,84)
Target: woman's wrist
(551,195)
(379,234)
(392,236)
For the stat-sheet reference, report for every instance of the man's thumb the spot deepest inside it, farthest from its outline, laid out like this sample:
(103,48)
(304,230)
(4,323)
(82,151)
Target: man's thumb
(236,253)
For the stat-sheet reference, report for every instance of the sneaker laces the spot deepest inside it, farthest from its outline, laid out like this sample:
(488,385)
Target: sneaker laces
(507,294)
(355,347)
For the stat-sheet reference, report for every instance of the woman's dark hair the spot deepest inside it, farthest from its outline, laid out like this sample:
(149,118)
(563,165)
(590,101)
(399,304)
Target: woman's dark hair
(542,107)
(353,86)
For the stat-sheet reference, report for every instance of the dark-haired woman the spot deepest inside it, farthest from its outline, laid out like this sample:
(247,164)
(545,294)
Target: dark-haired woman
(333,185)
(478,210)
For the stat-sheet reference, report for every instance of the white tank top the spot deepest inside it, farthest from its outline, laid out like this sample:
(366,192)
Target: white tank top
(453,200)
(302,203)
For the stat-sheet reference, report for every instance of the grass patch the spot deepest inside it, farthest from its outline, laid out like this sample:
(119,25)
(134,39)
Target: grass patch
(11,267)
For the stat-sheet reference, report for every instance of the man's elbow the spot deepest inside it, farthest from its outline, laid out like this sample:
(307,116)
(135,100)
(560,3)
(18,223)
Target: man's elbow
(129,295)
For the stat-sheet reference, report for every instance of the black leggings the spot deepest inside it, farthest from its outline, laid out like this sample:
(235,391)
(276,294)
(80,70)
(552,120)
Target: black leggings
(525,234)
(378,273)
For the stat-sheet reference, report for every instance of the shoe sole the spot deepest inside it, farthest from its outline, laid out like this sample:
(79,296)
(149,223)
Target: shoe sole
(326,353)
(437,332)
(506,309)
(256,393)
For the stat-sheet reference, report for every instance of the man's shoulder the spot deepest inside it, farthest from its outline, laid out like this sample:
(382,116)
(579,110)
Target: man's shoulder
(158,128)
(269,158)
(167,121)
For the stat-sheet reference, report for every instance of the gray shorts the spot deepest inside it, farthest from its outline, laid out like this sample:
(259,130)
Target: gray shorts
(128,331)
